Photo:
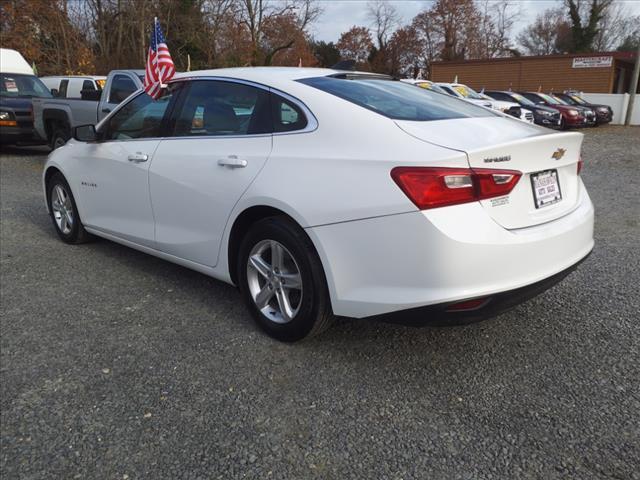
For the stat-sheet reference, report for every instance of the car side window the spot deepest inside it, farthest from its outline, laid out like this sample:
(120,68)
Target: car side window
(219,108)
(88,85)
(62,91)
(140,118)
(287,116)
(121,87)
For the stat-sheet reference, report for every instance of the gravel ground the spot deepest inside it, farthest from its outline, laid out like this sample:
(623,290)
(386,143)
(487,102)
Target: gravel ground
(118,365)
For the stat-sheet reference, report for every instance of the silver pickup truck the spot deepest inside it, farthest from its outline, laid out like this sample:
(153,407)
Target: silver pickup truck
(55,118)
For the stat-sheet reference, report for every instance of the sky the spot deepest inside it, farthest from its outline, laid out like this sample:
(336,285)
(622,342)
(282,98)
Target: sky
(340,15)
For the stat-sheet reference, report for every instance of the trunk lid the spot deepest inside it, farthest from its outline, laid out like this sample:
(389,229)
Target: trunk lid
(507,144)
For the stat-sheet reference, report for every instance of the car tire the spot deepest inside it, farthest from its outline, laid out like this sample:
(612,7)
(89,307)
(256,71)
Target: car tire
(283,254)
(64,211)
(59,138)
(563,124)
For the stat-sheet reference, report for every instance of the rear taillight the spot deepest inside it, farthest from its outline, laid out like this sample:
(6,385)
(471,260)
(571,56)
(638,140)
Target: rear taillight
(432,187)
(580,165)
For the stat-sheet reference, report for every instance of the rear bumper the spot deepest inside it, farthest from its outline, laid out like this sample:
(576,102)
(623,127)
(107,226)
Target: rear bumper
(441,315)
(437,257)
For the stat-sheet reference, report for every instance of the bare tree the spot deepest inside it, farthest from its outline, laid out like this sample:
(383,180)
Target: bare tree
(616,24)
(543,36)
(384,19)
(255,14)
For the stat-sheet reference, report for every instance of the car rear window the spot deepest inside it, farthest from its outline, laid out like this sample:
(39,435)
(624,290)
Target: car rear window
(395,99)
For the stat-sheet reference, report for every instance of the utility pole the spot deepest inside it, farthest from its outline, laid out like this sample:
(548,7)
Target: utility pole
(633,88)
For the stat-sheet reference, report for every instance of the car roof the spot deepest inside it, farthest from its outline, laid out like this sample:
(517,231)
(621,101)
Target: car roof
(271,76)
(94,77)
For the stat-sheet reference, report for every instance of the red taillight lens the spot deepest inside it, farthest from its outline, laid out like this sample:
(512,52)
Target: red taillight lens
(580,165)
(432,187)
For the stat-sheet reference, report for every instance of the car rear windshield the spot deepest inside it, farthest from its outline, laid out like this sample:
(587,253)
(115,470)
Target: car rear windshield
(395,99)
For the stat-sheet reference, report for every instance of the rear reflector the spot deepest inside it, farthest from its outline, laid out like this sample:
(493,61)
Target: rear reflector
(467,305)
(432,187)
(580,165)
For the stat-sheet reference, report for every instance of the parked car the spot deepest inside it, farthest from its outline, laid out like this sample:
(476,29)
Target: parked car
(510,108)
(571,116)
(542,115)
(462,91)
(78,87)
(319,193)
(467,93)
(426,84)
(604,113)
(18,87)
(55,118)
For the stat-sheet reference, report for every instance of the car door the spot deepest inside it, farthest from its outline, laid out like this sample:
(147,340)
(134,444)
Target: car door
(113,175)
(220,140)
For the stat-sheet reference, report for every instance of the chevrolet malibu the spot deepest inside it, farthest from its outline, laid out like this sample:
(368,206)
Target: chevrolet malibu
(321,193)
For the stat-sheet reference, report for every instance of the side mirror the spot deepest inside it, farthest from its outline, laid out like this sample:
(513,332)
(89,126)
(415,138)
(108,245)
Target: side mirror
(54,92)
(85,133)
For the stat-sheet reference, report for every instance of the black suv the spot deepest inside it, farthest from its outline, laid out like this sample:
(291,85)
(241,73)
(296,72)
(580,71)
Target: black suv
(604,113)
(545,116)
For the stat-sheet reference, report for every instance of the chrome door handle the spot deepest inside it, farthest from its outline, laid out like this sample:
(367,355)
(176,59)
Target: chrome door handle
(138,157)
(233,162)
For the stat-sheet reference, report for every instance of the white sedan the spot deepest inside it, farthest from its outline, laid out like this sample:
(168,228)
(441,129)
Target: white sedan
(322,193)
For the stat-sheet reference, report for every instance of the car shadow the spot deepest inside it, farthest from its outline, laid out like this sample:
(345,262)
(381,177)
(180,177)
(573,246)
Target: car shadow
(25,150)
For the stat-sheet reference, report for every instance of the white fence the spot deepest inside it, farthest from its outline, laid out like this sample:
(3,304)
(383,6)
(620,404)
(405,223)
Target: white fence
(618,102)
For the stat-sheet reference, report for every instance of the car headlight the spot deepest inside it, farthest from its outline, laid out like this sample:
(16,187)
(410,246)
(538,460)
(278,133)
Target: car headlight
(603,110)
(545,113)
(573,113)
(7,119)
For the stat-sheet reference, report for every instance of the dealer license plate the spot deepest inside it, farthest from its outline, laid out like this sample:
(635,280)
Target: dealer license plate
(546,188)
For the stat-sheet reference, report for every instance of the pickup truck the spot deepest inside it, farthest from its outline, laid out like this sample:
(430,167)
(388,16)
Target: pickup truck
(55,118)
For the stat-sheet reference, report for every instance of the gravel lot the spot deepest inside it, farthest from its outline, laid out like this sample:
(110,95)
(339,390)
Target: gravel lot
(118,365)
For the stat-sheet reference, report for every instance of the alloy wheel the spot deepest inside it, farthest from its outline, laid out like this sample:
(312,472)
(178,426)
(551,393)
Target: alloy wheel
(62,208)
(274,281)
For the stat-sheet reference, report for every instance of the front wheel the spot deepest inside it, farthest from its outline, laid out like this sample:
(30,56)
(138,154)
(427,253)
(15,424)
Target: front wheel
(64,211)
(282,281)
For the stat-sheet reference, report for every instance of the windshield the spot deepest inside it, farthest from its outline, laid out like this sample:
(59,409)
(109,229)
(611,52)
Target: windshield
(549,99)
(395,99)
(577,99)
(522,100)
(467,92)
(24,86)
(560,100)
(431,86)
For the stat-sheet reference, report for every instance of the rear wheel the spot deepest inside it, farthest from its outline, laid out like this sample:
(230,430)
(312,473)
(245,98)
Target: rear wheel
(64,212)
(282,281)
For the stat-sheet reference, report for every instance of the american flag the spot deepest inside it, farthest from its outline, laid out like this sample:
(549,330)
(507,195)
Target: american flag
(160,68)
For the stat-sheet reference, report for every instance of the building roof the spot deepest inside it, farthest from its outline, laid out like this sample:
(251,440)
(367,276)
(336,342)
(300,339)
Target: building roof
(624,56)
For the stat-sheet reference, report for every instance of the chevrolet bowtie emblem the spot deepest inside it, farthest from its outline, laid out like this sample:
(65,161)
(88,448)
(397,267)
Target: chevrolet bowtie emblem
(558,154)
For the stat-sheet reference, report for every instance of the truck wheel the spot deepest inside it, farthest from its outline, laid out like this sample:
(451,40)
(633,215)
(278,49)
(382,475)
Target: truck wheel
(60,137)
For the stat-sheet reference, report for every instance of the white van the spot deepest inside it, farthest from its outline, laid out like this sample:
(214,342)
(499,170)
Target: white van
(85,87)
